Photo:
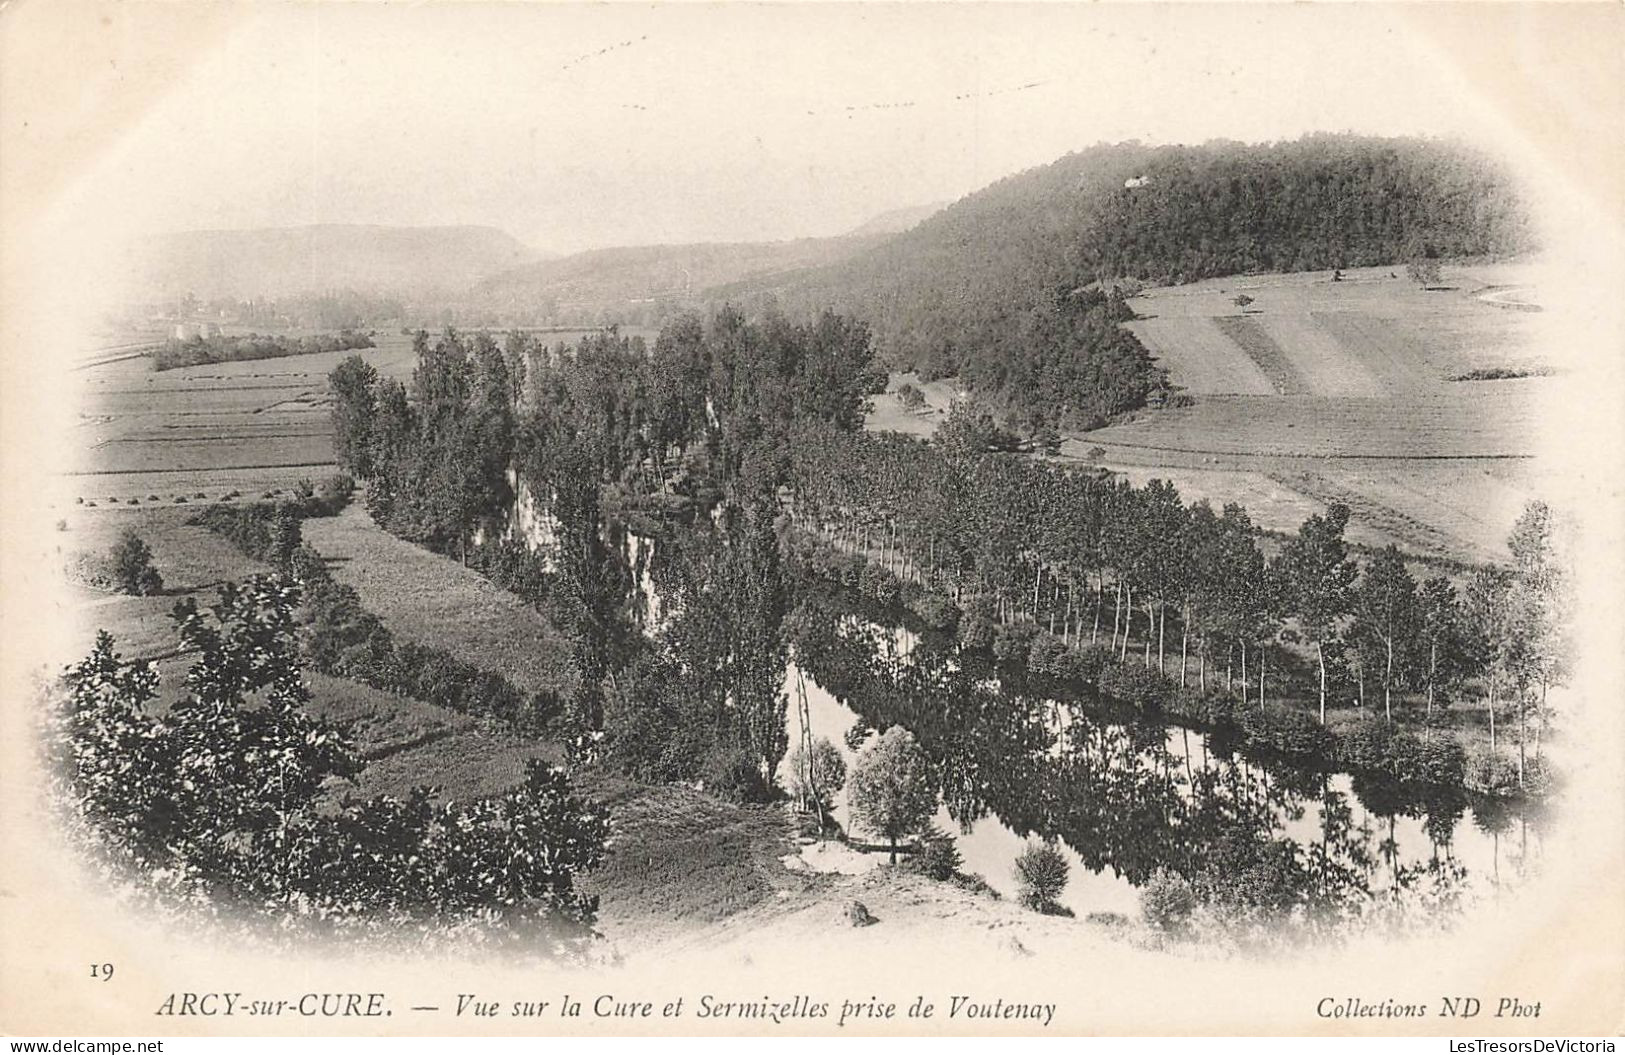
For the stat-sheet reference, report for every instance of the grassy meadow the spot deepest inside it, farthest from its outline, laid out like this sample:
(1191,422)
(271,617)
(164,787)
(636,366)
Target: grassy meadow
(435,601)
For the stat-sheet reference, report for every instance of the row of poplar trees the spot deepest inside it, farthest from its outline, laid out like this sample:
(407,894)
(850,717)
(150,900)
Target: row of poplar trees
(1097,561)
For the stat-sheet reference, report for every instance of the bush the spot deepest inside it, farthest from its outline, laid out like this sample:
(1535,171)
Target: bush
(334,493)
(935,610)
(1167,901)
(1012,643)
(1424,272)
(1051,657)
(937,856)
(1285,732)
(1490,772)
(977,627)
(307,566)
(734,773)
(1375,745)
(1041,875)
(130,566)
(1136,685)
(877,584)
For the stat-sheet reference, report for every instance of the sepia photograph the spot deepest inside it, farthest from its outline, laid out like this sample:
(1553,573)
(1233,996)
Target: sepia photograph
(837,519)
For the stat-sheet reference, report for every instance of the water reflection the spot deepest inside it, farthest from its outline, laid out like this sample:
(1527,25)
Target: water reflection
(1257,838)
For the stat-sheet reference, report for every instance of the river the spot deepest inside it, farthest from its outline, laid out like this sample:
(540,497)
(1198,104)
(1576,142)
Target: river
(1125,796)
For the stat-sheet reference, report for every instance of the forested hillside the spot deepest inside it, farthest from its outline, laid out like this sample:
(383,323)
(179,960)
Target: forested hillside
(957,294)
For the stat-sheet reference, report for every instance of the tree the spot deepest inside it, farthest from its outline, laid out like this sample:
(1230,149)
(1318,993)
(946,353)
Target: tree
(352,384)
(1241,300)
(1317,576)
(817,776)
(1489,625)
(1539,606)
(893,792)
(1041,873)
(1424,272)
(1442,638)
(219,799)
(131,566)
(1386,610)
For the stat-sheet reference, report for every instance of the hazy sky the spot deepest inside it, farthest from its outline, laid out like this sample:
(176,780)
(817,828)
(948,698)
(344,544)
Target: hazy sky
(574,128)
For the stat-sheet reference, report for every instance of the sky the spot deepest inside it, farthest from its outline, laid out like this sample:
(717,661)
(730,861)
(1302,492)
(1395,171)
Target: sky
(582,127)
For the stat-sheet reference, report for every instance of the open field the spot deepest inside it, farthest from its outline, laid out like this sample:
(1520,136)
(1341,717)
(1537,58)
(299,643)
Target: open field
(1360,406)
(1375,333)
(252,426)
(1500,420)
(432,600)
(887,413)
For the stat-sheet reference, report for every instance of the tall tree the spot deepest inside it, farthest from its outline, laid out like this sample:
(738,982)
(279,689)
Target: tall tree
(1318,576)
(352,385)
(1386,610)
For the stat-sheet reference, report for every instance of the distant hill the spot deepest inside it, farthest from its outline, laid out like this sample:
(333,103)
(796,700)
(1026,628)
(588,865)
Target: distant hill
(897,221)
(947,294)
(646,284)
(284,261)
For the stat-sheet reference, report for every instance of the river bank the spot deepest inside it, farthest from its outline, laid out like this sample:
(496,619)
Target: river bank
(1429,752)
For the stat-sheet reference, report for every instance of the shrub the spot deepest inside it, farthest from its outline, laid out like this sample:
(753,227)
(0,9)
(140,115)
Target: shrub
(334,493)
(1133,684)
(937,857)
(307,566)
(130,565)
(977,627)
(1424,272)
(1375,745)
(1041,875)
(1285,732)
(1050,656)
(935,610)
(1490,772)
(1441,760)
(734,773)
(1012,643)
(1167,901)
(877,584)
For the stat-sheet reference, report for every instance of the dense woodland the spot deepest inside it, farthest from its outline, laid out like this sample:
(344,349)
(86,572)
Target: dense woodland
(728,444)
